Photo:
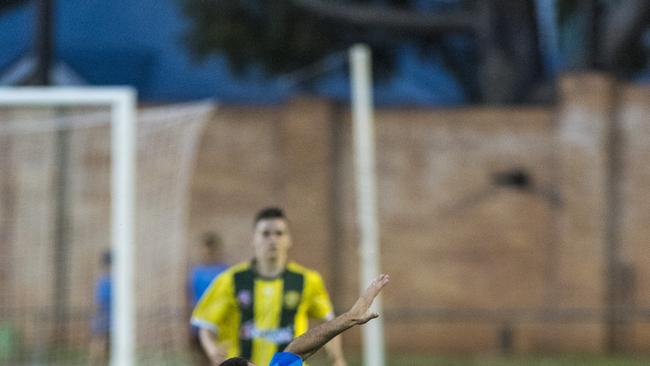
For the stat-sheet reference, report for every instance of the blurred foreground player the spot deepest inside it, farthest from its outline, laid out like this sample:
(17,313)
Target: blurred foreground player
(307,344)
(101,321)
(255,308)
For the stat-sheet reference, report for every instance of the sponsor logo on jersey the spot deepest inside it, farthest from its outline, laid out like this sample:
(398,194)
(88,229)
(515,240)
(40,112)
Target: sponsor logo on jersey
(244,298)
(276,335)
(291,299)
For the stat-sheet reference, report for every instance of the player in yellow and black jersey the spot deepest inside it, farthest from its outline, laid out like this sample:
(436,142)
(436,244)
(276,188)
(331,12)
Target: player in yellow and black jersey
(255,308)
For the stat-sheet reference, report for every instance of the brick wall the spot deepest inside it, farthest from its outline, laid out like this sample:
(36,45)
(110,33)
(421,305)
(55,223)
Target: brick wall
(551,263)
(470,259)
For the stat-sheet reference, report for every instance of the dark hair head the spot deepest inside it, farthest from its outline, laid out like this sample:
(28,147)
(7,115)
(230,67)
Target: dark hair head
(107,257)
(211,240)
(269,213)
(235,361)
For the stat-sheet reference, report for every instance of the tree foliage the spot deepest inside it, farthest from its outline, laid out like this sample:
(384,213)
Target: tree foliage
(610,30)
(280,37)
(500,61)
(9,4)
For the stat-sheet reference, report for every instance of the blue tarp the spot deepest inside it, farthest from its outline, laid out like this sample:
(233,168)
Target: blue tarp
(139,43)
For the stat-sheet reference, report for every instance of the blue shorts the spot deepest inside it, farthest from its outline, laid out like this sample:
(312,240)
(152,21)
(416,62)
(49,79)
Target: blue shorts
(285,359)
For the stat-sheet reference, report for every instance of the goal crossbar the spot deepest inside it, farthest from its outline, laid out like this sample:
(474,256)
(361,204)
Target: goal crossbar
(122,103)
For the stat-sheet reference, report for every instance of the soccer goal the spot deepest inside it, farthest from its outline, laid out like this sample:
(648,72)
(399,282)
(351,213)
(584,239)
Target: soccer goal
(366,193)
(84,173)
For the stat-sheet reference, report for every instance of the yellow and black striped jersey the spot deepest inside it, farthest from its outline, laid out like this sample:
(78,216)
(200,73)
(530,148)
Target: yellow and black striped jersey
(255,317)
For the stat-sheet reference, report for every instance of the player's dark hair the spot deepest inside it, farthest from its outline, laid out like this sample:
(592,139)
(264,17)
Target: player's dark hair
(269,213)
(211,240)
(235,361)
(107,258)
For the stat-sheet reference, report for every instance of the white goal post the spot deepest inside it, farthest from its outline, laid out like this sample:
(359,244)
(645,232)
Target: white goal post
(366,192)
(122,104)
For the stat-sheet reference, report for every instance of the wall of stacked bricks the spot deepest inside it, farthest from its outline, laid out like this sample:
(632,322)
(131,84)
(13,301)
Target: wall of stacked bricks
(470,261)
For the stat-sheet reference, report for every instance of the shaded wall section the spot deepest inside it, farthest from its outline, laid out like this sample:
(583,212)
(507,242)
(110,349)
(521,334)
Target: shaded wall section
(496,223)
(505,229)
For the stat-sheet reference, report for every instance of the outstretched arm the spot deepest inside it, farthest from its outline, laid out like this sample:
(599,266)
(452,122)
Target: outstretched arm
(215,353)
(334,349)
(310,342)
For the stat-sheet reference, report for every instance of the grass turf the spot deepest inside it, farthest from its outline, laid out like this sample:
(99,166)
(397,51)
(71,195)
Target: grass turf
(487,360)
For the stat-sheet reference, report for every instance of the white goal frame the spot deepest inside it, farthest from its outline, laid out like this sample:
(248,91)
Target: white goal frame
(363,121)
(122,103)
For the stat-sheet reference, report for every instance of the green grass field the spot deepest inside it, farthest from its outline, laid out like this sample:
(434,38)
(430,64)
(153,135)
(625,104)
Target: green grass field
(565,360)
(429,360)
(68,358)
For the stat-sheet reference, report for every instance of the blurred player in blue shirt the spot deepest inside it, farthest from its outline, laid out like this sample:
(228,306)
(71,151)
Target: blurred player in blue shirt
(101,321)
(207,268)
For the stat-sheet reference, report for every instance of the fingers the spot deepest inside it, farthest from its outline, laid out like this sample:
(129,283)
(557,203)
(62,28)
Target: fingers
(370,317)
(360,309)
(377,284)
(381,281)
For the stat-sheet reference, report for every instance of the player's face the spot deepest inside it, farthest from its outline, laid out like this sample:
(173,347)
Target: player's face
(271,239)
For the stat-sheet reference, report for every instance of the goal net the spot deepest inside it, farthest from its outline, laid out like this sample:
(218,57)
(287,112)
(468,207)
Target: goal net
(58,222)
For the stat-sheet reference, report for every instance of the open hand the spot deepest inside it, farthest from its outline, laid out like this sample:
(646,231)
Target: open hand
(360,312)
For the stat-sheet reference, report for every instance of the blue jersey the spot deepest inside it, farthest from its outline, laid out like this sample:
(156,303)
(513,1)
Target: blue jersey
(285,359)
(102,321)
(201,277)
